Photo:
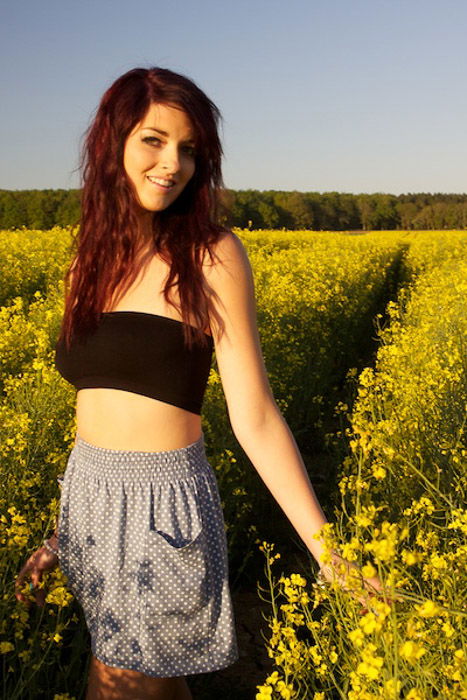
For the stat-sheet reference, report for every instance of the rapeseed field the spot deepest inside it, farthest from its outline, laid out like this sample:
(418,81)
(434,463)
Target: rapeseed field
(324,300)
(402,514)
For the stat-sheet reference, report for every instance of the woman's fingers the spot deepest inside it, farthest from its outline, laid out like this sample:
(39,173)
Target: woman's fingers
(20,580)
(19,585)
(374,584)
(345,571)
(36,578)
(376,587)
(37,563)
(40,596)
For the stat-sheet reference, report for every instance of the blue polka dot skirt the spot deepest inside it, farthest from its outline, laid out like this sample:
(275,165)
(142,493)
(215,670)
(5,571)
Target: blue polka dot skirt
(142,542)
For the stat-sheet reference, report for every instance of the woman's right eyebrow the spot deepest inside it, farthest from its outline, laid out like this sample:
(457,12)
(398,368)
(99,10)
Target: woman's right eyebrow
(164,133)
(159,131)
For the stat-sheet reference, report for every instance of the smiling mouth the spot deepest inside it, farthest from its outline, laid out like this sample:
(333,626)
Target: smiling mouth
(161,182)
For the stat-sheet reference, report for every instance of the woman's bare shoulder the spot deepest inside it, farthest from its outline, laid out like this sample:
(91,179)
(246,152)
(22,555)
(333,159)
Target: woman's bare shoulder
(228,251)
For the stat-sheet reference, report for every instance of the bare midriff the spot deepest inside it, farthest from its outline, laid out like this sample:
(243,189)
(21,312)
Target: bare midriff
(122,420)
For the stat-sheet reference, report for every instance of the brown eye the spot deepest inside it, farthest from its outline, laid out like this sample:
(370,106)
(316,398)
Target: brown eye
(152,140)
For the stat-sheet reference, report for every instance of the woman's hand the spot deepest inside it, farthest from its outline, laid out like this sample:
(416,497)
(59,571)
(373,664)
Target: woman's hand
(350,578)
(40,561)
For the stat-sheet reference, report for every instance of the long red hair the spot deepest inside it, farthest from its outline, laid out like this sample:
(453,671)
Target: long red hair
(106,244)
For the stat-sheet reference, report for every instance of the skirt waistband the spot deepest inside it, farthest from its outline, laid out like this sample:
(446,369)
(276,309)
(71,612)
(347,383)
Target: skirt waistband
(178,463)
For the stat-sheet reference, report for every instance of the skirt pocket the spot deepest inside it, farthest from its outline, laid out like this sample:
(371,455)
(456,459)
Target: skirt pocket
(178,552)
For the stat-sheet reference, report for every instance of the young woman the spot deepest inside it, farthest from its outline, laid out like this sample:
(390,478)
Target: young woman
(155,286)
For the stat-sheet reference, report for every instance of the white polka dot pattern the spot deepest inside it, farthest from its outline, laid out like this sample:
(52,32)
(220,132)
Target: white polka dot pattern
(143,544)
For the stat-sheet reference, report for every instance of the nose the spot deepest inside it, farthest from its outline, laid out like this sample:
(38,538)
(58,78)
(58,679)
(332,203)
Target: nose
(170,159)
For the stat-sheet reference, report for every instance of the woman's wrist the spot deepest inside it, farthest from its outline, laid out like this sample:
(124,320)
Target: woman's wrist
(327,558)
(51,545)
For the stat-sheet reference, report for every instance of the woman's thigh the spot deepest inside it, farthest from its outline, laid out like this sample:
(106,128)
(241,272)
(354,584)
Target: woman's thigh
(109,683)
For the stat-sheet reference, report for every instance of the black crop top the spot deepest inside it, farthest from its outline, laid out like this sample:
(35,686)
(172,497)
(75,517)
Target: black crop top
(139,352)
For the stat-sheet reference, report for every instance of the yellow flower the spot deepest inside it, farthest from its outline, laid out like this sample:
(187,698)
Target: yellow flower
(316,657)
(369,571)
(59,596)
(414,694)
(448,629)
(357,637)
(286,690)
(384,548)
(371,664)
(365,669)
(392,689)
(379,472)
(298,580)
(5,647)
(423,504)
(411,558)
(411,650)
(369,623)
(273,678)
(438,561)
(428,609)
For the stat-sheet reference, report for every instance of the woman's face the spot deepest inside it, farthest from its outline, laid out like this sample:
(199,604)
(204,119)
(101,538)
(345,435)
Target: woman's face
(159,156)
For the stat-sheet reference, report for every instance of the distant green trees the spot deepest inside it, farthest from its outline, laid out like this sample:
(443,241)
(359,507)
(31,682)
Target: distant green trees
(269,209)
(335,211)
(38,209)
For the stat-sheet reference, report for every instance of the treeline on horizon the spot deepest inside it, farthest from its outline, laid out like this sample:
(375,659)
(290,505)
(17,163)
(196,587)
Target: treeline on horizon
(254,209)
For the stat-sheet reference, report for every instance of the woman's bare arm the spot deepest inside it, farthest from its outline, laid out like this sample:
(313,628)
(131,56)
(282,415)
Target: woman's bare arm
(254,415)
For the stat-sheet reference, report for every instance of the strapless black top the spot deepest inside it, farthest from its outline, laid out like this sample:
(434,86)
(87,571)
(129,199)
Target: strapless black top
(140,352)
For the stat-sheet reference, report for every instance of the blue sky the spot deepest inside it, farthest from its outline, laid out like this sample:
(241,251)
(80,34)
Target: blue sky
(317,95)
